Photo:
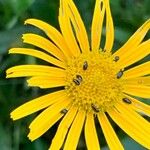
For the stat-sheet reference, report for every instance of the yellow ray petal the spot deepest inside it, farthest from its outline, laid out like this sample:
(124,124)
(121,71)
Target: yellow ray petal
(90,133)
(139,106)
(34,70)
(34,134)
(67,31)
(138,81)
(137,90)
(63,128)
(37,104)
(44,44)
(132,129)
(97,23)
(135,54)
(38,54)
(109,133)
(52,33)
(109,28)
(135,40)
(26,73)
(75,131)
(78,25)
(46,119)
(134,116)
(46,82)
(141,70)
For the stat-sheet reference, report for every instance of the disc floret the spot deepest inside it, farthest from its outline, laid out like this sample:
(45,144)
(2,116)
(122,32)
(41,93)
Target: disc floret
(92,82)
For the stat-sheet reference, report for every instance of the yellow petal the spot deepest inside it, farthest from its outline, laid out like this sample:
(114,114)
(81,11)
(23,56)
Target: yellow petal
(135,54)
(135,40)
(138,81)
(67,31)
(134,130)
(63,128)
(109,28)
(134,116)
(34,70)
(38,54)
(139,106)
(52,33)
(75,131)
(46,82)
(109,133)
(137,90)
(47,118)
(78,25)
(97,24)
(34,134)
(140,70)
(37,104)
(44,44)
(90,133)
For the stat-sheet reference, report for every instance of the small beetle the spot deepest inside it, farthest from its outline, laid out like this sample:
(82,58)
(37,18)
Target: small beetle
(79,77)
(126,100)
(119,74)
(64,111)
(95,108)
(116,58)
(104,50)
(85,65)
(76,81)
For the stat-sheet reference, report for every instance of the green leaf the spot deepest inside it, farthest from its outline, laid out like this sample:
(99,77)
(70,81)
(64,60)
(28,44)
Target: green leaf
(19,6)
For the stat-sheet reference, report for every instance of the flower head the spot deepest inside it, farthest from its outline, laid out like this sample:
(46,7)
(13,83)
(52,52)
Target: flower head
(95,82)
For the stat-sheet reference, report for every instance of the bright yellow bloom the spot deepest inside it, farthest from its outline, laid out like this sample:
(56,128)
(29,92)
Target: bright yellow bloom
(95,83)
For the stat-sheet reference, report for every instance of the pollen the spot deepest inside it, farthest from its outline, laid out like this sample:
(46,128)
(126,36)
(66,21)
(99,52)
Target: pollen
(92,82)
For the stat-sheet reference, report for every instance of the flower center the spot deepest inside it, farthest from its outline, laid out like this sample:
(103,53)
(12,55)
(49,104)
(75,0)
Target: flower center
(92,82)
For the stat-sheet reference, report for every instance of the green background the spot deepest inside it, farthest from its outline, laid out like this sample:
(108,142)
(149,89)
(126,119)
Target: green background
(128,16)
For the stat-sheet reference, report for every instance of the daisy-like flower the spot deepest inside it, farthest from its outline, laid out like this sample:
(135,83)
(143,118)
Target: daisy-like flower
(96,83)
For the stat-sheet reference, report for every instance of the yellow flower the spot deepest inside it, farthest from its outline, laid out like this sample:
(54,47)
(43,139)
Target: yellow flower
(95,83)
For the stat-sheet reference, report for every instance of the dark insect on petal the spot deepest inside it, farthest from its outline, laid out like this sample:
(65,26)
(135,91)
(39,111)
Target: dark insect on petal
(64,111)
(95,108)
(85,65)
(126,100)
(79,77)
(104,50)
(76,81)
(119,74)
(116,58)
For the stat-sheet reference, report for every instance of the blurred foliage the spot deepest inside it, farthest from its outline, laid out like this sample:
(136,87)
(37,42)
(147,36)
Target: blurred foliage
(128,16)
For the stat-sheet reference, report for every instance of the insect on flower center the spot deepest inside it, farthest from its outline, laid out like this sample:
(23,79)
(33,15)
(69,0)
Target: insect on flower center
(92,82)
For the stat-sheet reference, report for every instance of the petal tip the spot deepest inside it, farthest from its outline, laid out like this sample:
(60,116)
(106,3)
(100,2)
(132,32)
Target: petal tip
(12,116)
(10,51)
(30,137)
(28,21)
